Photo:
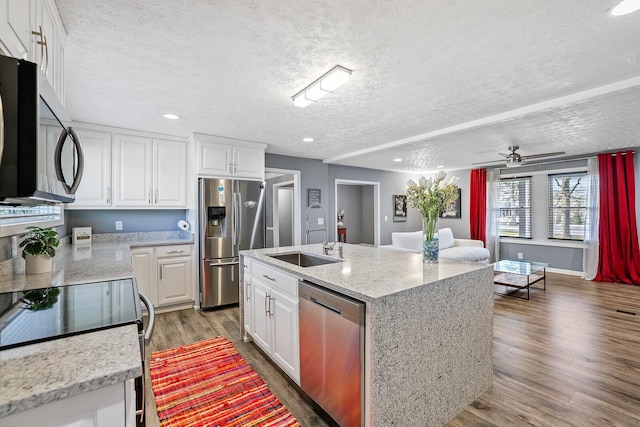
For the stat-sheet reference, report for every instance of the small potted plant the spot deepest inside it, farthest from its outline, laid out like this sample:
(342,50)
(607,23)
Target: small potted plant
(39,248)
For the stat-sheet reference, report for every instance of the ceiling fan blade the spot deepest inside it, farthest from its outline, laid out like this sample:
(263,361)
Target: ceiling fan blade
(494,162)
(539,156)
(506,156)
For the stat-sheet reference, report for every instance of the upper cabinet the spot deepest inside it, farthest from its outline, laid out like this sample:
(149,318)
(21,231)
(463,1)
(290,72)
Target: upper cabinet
(33,30)
(221,157)
(95,187)
(15,27)
(150,172)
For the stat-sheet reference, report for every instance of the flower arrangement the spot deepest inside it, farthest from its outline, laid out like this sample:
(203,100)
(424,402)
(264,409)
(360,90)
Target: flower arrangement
(432,196)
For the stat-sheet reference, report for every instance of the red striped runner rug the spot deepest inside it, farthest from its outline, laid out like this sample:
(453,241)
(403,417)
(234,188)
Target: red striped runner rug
(209,384)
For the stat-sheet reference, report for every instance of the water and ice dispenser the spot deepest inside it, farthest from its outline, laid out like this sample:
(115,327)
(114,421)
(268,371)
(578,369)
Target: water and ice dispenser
(217,221)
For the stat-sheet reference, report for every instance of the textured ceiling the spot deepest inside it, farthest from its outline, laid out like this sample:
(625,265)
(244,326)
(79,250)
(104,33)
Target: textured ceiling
(437,83)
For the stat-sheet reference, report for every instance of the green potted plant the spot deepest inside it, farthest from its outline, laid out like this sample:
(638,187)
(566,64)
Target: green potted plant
(39,247)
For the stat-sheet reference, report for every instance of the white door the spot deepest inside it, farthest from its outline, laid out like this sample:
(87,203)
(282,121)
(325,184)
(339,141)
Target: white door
(174,280)
(248,162)
(286,342)
(133,165)
(170,165)
(261,320)
(95,186)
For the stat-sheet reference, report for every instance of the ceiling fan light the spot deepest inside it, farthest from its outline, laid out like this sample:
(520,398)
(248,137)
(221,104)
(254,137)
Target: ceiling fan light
(513,163)
(625,7)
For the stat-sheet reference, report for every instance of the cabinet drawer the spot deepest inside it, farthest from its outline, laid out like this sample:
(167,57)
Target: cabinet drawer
(173,250)
(275,278)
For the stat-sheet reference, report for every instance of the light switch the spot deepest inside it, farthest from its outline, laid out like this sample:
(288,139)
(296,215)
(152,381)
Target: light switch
(386,218)
(118,225)
(320,221)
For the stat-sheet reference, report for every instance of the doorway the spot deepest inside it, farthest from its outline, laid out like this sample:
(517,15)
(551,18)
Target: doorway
(359,202)
(282,208)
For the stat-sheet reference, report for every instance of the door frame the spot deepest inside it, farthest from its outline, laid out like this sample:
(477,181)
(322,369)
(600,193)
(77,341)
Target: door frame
(276,213)
(297,235)
(376,205)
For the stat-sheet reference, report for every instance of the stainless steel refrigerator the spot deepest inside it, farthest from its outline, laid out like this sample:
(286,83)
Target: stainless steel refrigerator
(231,220)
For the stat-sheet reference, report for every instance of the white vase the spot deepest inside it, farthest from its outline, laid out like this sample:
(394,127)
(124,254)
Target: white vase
(37,264)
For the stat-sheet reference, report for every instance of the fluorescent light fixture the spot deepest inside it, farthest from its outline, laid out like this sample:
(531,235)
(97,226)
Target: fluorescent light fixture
(440,166)
(327,83)
(307,139)
(625,7)
(397,160)
(170,116)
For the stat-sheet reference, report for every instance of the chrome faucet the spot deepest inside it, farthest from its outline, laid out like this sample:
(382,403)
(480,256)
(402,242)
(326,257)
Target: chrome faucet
(325,243)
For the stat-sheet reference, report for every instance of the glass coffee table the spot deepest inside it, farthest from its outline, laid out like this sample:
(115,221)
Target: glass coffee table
(519,275)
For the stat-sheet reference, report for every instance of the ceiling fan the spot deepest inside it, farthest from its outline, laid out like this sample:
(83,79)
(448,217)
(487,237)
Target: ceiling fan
(513,159)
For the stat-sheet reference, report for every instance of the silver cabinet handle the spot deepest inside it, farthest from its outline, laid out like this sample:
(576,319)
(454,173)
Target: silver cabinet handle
(155,196)
(40,42)
(46,53)
(108,195)
(270,299)
(160,271)
(246,290)
(149,197)
(266,299)
(230,167)
(175,252)
(235,168)
(269,277)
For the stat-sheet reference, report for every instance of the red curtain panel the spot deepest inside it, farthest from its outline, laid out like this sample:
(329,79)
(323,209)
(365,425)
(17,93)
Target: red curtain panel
(619,257)
(478,205)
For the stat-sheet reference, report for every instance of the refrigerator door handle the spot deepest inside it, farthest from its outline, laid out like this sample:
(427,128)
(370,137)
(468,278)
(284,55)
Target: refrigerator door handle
(238,212)
(233,219)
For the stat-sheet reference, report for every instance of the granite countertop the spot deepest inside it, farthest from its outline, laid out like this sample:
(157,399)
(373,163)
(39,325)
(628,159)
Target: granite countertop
(40,373)
(106,258)
(367,273)
(37,374)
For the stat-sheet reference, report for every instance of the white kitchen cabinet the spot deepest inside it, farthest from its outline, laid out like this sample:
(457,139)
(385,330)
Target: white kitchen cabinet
(143,263)
(247,295)
(104,407)
(274,310)
(221,157)
(48,40)
(15,27)
(95,188)
(165,275)
(149,172)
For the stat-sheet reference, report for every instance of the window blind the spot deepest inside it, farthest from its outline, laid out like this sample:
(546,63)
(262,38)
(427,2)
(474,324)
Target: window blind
(514,218)
(567,206)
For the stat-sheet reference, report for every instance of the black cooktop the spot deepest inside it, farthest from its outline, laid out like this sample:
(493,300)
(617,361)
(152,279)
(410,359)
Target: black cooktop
(36,315)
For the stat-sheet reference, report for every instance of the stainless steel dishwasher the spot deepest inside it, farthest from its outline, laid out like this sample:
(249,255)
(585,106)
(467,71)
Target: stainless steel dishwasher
(332,352)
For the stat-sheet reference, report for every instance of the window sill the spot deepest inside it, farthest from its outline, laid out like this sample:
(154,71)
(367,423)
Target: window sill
(538,242)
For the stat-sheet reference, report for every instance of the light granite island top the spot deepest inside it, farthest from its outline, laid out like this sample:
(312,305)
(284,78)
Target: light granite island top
(428,328)
(41,373)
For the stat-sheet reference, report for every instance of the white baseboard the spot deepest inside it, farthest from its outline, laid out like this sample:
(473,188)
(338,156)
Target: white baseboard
(569,272)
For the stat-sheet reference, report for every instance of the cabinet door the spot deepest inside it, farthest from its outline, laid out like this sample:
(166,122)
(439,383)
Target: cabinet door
(174,280)
(143,262)
(133,171)
(248,162)
(15,28)
(45,55)
(248,304)
(215,159)
(95,186)
(170,173)
(285,339)
(261,319)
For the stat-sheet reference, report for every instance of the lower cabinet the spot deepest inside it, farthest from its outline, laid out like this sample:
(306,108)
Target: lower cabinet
(109,406)
(165,274)
(272,312)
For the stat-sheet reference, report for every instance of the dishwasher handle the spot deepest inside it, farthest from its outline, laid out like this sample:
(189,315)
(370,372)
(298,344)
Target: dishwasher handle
(325,305)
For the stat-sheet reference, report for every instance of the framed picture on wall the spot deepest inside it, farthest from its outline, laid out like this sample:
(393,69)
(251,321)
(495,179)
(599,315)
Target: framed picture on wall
(314,196)
(399,207)
(454,210)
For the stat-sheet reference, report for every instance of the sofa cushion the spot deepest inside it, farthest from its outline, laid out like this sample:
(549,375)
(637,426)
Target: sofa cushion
(445,238)
(407,240)
(466,253)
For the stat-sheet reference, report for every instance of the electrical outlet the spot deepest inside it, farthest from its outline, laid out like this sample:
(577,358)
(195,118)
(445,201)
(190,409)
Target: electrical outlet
(519,255)
(320,221)
(118,225)
(386,218)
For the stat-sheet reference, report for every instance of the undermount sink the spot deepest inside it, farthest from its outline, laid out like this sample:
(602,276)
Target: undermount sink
(303,260)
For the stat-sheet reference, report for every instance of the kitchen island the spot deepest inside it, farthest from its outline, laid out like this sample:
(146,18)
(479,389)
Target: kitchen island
(428,328)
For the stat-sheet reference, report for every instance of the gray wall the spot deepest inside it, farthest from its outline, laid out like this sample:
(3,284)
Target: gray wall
(103,221)
(368,222)
(350,199)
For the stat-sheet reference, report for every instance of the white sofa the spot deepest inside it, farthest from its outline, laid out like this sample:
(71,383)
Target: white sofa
(450,248)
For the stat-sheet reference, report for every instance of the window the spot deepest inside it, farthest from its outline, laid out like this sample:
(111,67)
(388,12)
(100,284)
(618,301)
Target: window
(15,219)
(568,206)
(514,218)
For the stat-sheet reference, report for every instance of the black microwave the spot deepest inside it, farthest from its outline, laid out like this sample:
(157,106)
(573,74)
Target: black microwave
(40,158)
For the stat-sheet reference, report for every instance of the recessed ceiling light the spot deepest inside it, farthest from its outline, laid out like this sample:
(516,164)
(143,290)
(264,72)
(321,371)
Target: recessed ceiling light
(625,7)
(439,166)
(307,139)
(397,160)
(170,116)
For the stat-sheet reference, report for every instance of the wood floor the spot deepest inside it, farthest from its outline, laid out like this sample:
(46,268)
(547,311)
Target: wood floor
(567,357)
